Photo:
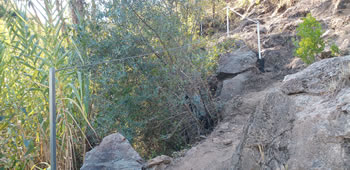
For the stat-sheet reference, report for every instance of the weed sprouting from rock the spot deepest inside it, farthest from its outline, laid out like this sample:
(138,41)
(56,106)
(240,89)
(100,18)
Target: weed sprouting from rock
(310,44)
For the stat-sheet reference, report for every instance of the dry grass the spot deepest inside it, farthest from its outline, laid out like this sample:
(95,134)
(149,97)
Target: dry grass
(280,3)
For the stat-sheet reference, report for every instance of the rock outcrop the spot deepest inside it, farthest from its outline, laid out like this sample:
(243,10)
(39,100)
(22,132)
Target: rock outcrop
(305,124)
(236,62)
(234,70)
(114,153)
(301,123)
(316,78)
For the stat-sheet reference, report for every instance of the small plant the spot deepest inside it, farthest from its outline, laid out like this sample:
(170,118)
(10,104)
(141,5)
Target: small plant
(310,44)
(335,50)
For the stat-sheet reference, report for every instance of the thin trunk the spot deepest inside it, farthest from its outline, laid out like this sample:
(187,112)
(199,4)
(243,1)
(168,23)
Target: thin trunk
(77,10)
(80,6)
(72,4)
(213,9)
(93,10)
(154,31)
(176,9)
(59,8)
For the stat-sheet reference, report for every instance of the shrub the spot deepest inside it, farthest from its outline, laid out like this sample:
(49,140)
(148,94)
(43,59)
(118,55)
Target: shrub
(335,50)
(160,102)
(310,44)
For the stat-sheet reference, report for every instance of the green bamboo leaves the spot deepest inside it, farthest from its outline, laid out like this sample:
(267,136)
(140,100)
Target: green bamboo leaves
(29,46)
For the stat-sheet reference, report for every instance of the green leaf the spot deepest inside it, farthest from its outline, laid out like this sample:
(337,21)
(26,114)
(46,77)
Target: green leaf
(30,148)
(24,110)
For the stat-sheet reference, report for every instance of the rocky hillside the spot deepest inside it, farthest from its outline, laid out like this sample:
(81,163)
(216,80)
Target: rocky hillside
(290,117)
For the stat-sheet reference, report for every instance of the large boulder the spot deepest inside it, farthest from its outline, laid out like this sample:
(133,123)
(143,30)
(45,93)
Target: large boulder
(234,70)
(276,59)
(234,86)
(316,78)
(234,63)
(114,153)
(277,50)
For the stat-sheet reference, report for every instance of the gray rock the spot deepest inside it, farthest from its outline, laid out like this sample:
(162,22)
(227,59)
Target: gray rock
(301,131)
(270,131)
(114,153)
(280,39)
(277,51)
(340,5)
(233,72)
(321,133)
(158,163)
(345,45)
(236,62)
(316,78)
(227,142)
(276,58)
(235,86)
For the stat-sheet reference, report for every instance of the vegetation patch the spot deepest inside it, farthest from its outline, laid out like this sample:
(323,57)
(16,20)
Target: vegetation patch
(140,68)
(310,44)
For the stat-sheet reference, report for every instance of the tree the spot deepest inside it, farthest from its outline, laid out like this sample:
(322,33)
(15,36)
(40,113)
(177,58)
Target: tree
(77,10)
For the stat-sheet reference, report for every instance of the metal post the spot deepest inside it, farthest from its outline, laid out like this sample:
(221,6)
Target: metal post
(52,100)
(261,61)
(258,30)
(227,21)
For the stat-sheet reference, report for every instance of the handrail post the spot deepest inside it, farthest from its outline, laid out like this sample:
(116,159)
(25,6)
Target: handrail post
(258,31)
(261,61)
(52,101)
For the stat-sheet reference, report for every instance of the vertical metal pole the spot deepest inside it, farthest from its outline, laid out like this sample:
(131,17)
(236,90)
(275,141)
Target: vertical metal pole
(52,100)
(258,30)
(227,21)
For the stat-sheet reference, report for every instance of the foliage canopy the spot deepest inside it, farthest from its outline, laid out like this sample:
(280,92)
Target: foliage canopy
(161,102)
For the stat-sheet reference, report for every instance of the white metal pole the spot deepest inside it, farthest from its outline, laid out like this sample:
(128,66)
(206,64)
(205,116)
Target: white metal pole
(52,101)
(258,30)
(227,21)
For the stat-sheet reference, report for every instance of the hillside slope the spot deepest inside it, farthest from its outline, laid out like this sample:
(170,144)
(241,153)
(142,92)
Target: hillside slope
(291,116)
(301,122)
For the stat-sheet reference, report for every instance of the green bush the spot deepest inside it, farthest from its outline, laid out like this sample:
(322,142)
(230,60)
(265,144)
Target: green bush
(335,50)
(161,102)
(158,102)
(310,44)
